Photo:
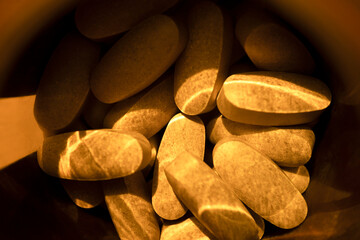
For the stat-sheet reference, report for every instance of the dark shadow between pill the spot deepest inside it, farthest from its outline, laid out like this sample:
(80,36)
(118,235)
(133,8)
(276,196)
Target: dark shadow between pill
(34,205)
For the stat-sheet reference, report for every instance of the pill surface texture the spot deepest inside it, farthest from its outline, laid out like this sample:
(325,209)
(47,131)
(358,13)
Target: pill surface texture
(190,228)
(270,45)
(146,112)
(94,154)
(182,133)
(211,201)
(259,183)
(299,176)
(101,19)
(287,146)
(137,59)
(85,194)
(128,201)
(273,98)
(202,67)
(64,86)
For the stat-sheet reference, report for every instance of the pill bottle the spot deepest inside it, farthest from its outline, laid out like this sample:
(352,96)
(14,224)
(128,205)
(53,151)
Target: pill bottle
(34,204)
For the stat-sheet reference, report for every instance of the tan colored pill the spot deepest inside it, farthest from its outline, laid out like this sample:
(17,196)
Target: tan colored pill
(273,98)
(210,199)
(299,176)
(183,133)
(137,59)
(259,183)
(287,146)
(64,86)
(128,202)
(189,228)
(270,44)
(203,66)
(101,19)
(147,112)
(95,111)
(94,154)
(85,194)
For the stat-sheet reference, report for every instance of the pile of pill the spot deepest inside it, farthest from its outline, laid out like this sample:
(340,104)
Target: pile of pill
(129,100)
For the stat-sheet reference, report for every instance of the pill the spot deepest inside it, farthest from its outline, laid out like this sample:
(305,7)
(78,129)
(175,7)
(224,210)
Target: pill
(299,176)
(154,142)
(183,133)
(273,98)
(64,86)
(128,202)
(101,19)
(259,183)
(270,44)
(85,194)
(189,228)
(287,146)
(95,111)
(146,112)
(209,198)
(94,154)
(138,58)
(202,67)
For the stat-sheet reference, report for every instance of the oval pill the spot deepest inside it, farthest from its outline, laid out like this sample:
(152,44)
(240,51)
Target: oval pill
(287,146)
(146,112)
(202,67)
(270,45)
(273,98)
(101,19)
(129,205)
(94,154)
(259,183)
(183,133)
(210,199)
(138,58)
(299,176)
(64,86)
